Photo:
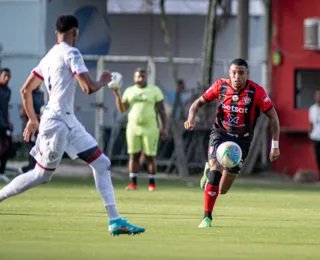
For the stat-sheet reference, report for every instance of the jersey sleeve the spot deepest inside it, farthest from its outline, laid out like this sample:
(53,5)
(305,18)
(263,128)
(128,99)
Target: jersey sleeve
(125,96)
(159,95)
(310,115)
(75,61)
(38,71)
(212,92)
(264,102)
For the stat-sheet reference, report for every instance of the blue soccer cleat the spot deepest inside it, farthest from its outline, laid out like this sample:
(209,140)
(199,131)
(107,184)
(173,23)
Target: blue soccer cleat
(120,226)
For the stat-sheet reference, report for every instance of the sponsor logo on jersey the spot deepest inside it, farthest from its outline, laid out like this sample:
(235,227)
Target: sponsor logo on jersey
(235,98)
(52,156)
(266,100)
(235,109)
(246,100)
(233,119)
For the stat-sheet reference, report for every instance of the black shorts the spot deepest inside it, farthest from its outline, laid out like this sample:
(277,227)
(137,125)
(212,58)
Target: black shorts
(4,142)
(217,137)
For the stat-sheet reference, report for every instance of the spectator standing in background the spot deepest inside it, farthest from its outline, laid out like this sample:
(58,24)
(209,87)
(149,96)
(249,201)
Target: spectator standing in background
(143,101)
(38,102)
(314,131)
(182,109)
(5,124)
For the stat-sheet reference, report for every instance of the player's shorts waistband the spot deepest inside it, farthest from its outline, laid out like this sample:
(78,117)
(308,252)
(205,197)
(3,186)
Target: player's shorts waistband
(247,135)
(239,135)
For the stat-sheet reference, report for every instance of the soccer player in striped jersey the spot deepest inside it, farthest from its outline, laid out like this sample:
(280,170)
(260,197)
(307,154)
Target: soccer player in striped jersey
(240,102)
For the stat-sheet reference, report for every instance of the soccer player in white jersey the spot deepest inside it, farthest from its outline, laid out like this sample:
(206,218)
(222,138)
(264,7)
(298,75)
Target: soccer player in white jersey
(59,129)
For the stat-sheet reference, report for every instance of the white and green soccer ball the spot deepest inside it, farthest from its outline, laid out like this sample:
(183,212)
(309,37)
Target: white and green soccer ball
(116,80)
(229,154)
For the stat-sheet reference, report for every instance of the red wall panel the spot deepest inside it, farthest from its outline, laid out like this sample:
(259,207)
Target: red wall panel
(288,36)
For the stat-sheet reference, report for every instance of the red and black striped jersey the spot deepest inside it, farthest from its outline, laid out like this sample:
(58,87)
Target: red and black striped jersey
(238,111)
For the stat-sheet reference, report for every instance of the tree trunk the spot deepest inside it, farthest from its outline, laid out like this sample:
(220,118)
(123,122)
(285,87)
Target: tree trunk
(176,130)
(208,113)
(242,29)
(208,44)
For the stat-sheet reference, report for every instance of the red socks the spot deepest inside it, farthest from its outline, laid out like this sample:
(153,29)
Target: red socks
(210,196)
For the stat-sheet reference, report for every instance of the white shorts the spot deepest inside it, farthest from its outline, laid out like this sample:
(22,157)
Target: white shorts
(55,138)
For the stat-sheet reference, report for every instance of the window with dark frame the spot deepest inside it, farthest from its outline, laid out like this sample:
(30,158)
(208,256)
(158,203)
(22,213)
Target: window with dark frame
(307,82)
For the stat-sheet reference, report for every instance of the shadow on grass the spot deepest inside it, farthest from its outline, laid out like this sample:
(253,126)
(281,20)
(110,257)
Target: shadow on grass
(24,214)
(193,185)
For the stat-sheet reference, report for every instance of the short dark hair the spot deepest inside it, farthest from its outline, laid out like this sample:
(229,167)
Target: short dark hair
(5,70)
(239,62)
(65,23)
(180,82)
(140,70)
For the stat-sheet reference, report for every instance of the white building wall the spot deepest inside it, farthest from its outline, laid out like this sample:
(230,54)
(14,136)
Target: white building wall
(33,26)
(22,31)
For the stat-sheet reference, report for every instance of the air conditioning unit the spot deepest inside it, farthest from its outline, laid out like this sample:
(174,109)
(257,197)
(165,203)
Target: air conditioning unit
(312,33)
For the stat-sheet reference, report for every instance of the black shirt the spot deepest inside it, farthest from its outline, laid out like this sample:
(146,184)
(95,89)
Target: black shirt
(5,94)
(38,101)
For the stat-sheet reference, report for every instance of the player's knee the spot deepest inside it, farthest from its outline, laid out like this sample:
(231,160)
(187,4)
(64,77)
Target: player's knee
(135,157)
(223,190)
(44,174)
(106,161)
(211,163)
(214,165)
(214,177)
(150,159)
(101,164)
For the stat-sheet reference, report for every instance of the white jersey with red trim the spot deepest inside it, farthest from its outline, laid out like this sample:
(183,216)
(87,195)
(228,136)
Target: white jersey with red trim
(57,70)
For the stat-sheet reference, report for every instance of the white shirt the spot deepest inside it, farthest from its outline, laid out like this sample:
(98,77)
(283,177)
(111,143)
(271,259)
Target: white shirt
(57,70)
(314,119)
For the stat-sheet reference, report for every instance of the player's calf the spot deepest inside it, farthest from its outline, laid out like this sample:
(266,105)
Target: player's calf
(227,180)
(23,182)
(101,172)
(211,192)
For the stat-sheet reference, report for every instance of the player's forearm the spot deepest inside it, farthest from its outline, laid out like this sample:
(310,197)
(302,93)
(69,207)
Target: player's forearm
(193,110)
(95,86)
(275,128)
(120,106)
(27,102)
(163,117)
(10,123)
(310,128)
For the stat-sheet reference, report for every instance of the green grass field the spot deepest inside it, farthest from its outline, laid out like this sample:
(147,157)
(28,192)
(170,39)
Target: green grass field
(65,219)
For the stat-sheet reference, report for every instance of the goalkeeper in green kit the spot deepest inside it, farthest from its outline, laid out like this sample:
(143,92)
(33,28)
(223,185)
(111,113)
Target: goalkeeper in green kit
(144,102)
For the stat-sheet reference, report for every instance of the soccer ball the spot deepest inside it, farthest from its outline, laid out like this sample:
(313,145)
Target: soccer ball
(229,154)
(116,80)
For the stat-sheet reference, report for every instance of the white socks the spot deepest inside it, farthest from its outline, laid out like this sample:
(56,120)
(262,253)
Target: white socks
(101,173)
(25,181)
(102,178)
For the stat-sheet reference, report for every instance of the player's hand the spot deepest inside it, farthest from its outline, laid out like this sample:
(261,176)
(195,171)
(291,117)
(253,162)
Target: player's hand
(30,130)
(105,77)
(116,91)
(189,124)
(274,154)
(163,133)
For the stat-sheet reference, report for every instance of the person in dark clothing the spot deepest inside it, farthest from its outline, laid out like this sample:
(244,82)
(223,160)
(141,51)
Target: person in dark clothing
(5,124)
(38,103)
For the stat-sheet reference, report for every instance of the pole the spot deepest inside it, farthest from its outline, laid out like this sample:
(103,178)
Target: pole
(99,115)
(267,74)
(267,37)
(243,29)
(1,47)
